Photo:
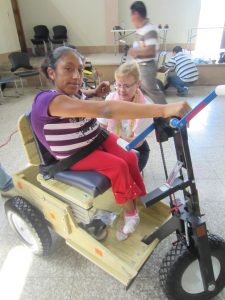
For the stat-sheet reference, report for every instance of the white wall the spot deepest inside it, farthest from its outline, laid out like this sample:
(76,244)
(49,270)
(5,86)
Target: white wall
(179,14)
(9,41)
(87,20)
(84,19)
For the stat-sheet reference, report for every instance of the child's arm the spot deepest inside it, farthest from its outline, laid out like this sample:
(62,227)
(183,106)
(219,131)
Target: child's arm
(100,91)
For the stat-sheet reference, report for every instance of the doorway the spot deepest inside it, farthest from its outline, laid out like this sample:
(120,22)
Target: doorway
(210,29)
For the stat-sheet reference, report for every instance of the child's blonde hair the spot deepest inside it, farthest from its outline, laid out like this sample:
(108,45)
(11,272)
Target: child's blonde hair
(128,69)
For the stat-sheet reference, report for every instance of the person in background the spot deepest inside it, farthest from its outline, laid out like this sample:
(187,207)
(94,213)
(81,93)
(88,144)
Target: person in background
(6,184)
(186,72)
(144,51)
(127,83)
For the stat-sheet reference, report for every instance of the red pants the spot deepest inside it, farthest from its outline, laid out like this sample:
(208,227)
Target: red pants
(120,166)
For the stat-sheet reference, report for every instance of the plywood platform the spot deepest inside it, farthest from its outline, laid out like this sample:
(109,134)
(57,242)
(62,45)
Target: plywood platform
(133,251)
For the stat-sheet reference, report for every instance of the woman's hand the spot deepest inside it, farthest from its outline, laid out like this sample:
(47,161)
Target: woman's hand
(102,89)
(176,109)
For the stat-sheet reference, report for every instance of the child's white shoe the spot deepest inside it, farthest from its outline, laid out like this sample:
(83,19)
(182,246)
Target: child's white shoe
(130,225)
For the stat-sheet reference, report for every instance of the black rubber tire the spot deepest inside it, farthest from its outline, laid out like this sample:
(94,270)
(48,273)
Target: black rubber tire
(35,222)
(176,262)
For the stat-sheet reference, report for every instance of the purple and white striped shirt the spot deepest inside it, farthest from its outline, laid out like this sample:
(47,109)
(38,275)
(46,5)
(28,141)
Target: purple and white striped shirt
(61,136)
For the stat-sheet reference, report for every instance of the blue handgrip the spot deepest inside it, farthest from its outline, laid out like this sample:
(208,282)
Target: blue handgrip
(175,123)
(140,137)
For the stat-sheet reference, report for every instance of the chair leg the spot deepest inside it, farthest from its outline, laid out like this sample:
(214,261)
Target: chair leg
(33,50)
(21,82)
(16,88)
(40,80)
(51,45)
(2,96)
(114,42)
(45,48)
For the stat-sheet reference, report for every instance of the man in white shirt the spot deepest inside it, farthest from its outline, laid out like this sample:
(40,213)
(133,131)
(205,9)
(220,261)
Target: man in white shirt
(144,51)
(185,70)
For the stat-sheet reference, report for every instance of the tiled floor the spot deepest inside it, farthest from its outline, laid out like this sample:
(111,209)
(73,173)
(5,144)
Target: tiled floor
(65,274)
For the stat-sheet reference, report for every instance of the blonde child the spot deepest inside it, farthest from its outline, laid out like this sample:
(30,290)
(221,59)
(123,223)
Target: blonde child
(127,83)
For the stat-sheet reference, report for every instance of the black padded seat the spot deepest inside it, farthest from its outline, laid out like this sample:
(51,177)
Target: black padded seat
(90,182)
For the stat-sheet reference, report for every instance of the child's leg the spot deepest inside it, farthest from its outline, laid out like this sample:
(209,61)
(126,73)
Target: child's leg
(123,186)
(144,151)
(110,145)
(116,169)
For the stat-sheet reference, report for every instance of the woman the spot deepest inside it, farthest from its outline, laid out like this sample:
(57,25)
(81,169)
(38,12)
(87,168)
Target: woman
(127,83)
(65,123)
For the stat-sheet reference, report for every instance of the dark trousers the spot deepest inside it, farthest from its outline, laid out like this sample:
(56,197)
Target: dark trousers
(144,151)
(179,84)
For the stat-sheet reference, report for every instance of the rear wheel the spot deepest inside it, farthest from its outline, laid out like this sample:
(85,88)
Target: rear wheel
(180,274)
(29,224)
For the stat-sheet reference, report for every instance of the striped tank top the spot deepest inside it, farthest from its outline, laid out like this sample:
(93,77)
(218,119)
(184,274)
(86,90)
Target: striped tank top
(62,137)
(184,67)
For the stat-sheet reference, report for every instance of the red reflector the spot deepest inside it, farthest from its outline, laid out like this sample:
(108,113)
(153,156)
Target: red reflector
(98,252)
(201,231)
(19,185)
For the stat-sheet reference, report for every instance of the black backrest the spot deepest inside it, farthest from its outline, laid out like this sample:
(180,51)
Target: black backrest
(45,156)
(59,32)
(41,32)
(19,60)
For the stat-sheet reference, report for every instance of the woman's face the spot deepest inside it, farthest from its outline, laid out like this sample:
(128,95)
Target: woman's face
(68,74)
(127,87)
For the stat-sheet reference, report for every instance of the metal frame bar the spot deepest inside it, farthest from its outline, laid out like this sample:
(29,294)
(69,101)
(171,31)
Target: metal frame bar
(187,212)
(132,31)
(186,216)
(175,123)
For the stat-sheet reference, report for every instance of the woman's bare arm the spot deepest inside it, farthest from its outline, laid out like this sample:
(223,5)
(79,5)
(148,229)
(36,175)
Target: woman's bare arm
(64,106)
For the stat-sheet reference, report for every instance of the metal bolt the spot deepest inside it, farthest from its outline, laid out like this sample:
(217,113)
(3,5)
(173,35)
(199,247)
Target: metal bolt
(211,287)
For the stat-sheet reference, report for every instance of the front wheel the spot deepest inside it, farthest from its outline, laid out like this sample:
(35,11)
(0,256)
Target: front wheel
(180,274)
